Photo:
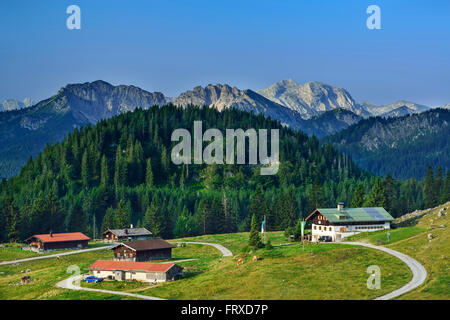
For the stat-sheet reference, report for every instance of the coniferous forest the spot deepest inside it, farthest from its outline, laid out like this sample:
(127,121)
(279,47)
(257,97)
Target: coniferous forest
(119,172)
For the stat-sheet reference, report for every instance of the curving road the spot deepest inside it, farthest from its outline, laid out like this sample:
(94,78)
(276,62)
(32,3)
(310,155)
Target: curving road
(56,255)
(418,271)
(69,283)
(221,248)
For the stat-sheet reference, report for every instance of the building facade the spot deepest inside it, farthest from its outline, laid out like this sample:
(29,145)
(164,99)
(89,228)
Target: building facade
(57,241)
(138,271)
(127,234)
(144,250)
(338,223)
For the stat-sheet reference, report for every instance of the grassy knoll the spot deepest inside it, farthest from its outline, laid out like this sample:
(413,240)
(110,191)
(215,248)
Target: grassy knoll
(13,251)
(395,235)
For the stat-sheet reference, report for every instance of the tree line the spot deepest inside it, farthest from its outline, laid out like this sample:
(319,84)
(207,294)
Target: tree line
(119,172)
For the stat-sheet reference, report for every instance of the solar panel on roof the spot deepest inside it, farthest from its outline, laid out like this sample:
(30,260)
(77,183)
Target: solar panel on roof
(374,214)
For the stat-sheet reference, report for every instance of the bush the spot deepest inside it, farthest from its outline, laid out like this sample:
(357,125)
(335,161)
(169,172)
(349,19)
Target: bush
(268,245)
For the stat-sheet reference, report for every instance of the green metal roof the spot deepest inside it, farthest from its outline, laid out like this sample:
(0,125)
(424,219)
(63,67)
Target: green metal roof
(356,214)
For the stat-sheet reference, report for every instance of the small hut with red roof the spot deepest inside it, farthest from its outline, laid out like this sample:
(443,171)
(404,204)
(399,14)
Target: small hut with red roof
(138,271)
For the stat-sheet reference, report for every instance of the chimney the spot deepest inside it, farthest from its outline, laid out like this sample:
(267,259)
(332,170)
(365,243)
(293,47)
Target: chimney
(126,231)
(51,233)
(131,226)
(340,206)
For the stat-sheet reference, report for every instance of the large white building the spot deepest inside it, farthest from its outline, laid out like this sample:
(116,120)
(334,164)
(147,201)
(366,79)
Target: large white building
(338,223)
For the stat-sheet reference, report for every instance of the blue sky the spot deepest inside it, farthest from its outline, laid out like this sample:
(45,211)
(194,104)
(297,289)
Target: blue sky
(173,45)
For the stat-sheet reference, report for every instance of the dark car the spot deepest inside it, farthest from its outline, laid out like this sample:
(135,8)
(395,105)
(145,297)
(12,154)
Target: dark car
(325,239)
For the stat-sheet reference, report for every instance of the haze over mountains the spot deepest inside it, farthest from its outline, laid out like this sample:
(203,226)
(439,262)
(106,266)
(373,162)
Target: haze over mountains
(314,108)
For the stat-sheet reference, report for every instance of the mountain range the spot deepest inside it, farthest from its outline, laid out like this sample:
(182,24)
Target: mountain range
(402,146)
(314,108)
(13,104)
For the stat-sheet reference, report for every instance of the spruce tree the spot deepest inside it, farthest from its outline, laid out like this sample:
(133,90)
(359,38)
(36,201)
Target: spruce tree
(149,174)
(358,197)
(429,189)
(254,237)
(377,197)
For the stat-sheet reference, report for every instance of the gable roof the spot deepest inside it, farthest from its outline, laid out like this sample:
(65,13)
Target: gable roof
(60,237)
(354,214)
(127,232)
(144,245)
(130,266)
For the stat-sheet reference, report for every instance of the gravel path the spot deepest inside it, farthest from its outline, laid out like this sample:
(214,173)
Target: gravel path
(225,251)
(69,284)
(418,271)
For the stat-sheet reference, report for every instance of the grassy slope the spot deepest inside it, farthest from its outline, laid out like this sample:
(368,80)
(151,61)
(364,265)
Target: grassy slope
(13,251)
(434,255)
(325,271)
(285,272)
(395,235)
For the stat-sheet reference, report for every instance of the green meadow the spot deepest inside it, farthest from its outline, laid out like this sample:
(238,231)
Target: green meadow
(287,271)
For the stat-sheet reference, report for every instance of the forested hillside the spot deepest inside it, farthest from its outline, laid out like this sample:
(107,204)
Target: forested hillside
(119,172)
(402,146)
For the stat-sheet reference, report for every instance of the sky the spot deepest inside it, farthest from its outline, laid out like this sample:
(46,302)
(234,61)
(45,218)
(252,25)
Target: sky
(172,46)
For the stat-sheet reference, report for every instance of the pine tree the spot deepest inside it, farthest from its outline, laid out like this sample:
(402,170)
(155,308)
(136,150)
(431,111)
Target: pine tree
(377,198)
(149,174)
(12,220)
(77,221)
(104,172)
(445,195)
(390,193)
(358,197)
(122,216)
(254,237)
(429,189)
(257,204)
(152,218)
(438,185)
(316,195)
(108,219)
(85,170)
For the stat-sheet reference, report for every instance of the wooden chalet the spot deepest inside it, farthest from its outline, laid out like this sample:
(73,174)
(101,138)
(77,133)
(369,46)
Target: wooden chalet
(127,234)
(144,250)
(139,271)
(57,241)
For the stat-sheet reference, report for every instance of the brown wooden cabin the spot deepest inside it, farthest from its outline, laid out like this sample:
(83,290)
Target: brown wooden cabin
(127,234)
(144,250)
(58,241)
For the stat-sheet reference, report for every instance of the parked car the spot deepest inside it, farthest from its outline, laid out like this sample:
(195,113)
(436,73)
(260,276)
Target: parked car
(325,239)
(92,279)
